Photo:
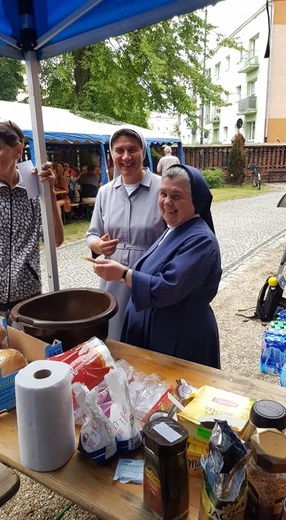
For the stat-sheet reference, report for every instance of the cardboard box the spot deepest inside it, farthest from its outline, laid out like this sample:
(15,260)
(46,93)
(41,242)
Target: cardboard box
(209,404)
(33,349)
(194,453)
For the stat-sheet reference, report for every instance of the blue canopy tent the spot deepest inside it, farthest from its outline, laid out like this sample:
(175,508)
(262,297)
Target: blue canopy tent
(32,30)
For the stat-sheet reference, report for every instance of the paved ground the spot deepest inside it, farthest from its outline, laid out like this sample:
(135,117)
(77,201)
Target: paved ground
(251,233)
(243,227)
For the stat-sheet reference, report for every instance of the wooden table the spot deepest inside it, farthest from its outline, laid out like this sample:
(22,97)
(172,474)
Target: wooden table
(93,488)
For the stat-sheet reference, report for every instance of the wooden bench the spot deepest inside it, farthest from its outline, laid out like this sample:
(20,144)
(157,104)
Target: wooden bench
(87,211)
(9,483)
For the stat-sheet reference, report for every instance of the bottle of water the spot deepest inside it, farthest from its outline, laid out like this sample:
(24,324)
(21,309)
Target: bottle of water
(273,351)
(282,314)
(283,375)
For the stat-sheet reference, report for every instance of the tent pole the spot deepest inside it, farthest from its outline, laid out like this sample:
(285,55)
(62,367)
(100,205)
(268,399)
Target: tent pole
(32,66)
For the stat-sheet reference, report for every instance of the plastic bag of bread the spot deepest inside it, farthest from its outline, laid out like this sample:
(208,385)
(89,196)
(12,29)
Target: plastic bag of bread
(90,362)
(11,360)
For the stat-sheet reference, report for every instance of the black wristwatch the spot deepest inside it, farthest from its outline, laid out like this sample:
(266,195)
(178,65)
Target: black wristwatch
(124,274)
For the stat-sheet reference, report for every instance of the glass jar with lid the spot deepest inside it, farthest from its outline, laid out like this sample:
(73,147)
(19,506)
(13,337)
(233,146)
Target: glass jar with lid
(266,414)
(266,475)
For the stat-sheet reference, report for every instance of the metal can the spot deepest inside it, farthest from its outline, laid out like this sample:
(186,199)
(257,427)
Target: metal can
(165,482)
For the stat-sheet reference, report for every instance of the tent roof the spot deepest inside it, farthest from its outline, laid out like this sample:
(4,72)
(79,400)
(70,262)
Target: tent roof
(53,27)
(61,125)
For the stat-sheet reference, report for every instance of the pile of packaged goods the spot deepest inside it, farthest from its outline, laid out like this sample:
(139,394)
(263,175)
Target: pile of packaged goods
(273,351)
(112,401)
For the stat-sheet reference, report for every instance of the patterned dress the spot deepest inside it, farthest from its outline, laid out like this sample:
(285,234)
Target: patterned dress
(20,233)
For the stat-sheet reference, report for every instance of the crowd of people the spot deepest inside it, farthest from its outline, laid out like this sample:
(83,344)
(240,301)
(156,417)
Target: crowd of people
(73,186)
(152,237)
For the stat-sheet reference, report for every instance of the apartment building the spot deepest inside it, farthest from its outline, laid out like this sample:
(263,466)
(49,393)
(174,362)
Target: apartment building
(255,77)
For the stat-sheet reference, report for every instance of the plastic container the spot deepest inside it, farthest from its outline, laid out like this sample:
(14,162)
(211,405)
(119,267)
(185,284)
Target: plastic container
(283,376)
(267,414)
(165,483)
(266,475)
(71,316)
(273,351)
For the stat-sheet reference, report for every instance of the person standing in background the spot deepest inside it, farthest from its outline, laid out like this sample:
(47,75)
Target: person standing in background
(166,161)
(126,218)
(20,223)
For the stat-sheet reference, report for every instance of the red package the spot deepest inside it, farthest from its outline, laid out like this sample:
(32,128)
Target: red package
(90,362)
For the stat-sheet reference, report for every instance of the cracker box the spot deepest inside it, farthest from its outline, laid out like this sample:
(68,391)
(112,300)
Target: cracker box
(33,349)
(209,404)
(194,453)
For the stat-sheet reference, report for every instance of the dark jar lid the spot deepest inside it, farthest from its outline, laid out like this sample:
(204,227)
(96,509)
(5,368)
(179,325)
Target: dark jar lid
(268,414)
(165,437)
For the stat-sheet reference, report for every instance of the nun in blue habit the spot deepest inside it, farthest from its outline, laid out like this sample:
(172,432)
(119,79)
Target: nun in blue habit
(174,281)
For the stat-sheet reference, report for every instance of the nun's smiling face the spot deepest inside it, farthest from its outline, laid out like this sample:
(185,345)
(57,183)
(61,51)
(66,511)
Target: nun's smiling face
(175,201)
(128,158)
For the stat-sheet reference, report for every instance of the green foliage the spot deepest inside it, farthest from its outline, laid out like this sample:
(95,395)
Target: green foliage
(158,68)
(213,178)
(11,79)
(236,162)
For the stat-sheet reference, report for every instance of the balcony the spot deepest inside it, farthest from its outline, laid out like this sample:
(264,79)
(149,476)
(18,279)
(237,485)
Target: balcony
(247,105)
(248,62)
(213,116)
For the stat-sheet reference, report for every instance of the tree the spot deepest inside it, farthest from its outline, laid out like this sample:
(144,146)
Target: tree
(236,161)
(158,68)
(11,79)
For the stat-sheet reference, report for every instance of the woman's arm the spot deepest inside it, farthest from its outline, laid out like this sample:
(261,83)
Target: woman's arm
(47,175)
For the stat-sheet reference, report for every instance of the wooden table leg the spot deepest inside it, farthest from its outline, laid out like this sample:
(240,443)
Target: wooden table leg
(9,483)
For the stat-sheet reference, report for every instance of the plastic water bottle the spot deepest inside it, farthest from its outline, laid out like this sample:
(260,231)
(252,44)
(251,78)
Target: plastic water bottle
(273,351)
(282,314)
(283,375)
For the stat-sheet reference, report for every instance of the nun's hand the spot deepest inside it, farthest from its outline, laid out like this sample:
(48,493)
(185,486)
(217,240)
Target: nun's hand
(106,246)
(109,270)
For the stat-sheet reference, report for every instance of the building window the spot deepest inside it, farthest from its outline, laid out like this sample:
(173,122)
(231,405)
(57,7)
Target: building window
(217,71)
(250,131)
(225,133)
(251,88)
(216,135)
(227,63)
(238,93)
(252,46)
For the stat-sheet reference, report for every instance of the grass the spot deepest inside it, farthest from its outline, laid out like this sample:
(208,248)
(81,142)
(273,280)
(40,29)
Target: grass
(77,229)
(228,192)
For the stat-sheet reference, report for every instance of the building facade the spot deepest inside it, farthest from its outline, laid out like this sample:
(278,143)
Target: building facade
(254,77)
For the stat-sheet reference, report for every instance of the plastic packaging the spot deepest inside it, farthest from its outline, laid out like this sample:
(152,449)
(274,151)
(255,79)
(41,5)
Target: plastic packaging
(121,413)
(165,482)
(273,351)
(97,436)
(283,376)
(266,475)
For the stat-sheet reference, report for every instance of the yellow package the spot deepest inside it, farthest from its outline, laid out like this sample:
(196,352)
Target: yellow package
(194,453)
(209,404)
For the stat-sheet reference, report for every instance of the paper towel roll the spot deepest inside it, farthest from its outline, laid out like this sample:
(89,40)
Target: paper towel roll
(45,419)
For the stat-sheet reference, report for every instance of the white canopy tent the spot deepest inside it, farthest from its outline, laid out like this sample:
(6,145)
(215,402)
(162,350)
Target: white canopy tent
(61,126)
